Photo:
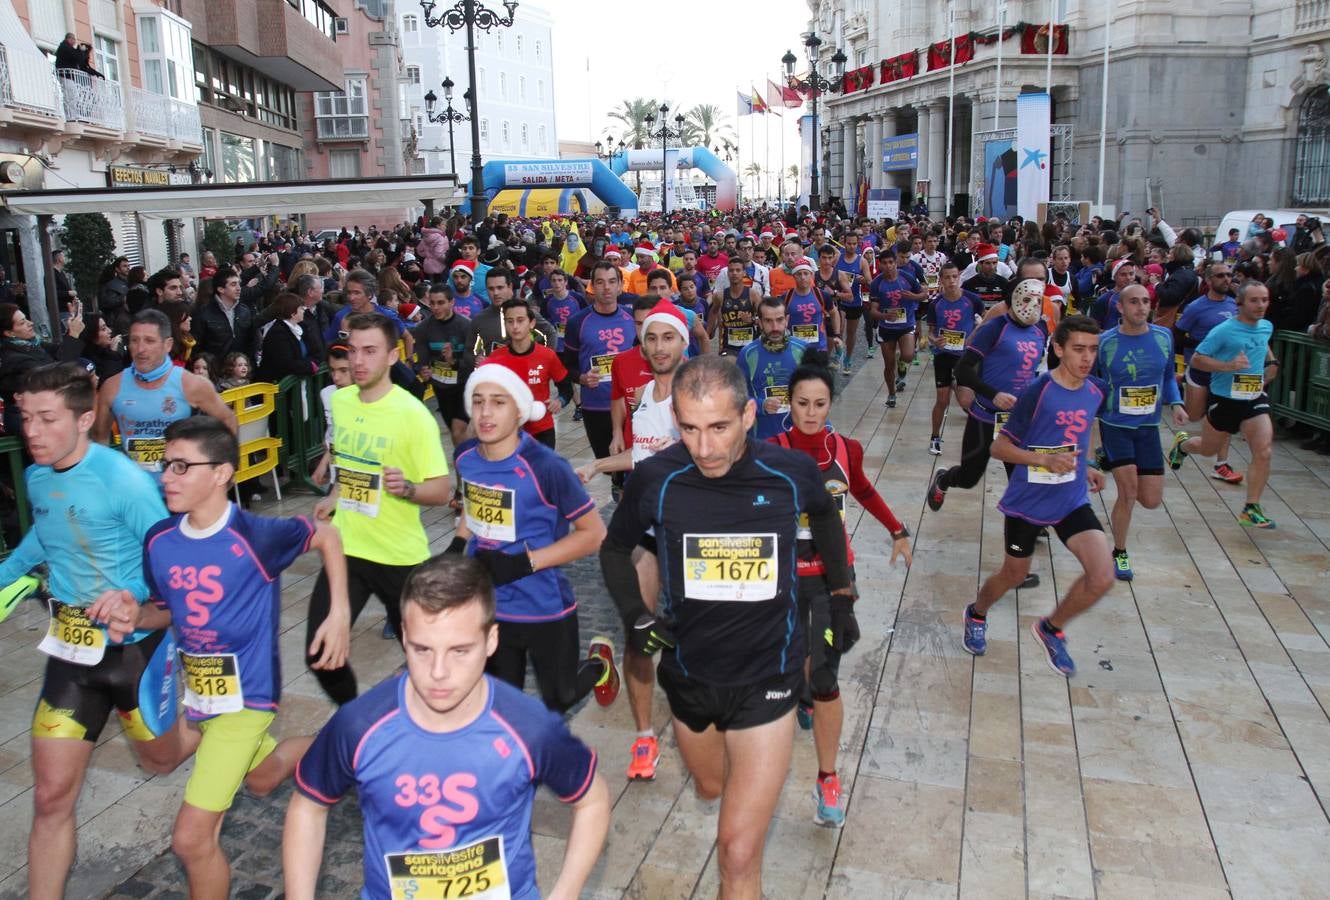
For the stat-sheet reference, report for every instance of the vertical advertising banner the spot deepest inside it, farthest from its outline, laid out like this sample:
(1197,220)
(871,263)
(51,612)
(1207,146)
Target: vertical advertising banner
(1034,143)
(806,126)
(671,179)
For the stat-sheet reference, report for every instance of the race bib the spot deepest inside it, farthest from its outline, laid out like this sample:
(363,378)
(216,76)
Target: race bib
(1040,475)
(601,365)
(147,452)
(739,567)
(561,329)
(931,279)
(359,491)
(953,340)
(444,373)
(804,532)
(476,871)
(489,512)
(212,683)
(999,419)
(72,636)
(782,393)
(893,315)
(739,337)
(808,333)
(1138,401)
(1247,387)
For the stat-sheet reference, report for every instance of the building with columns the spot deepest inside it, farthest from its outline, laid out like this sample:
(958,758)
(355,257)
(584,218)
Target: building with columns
(1210,107)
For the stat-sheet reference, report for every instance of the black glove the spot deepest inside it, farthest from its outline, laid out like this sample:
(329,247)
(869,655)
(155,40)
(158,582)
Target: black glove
(844,631)
(505,568)
(649,635)
(458,546)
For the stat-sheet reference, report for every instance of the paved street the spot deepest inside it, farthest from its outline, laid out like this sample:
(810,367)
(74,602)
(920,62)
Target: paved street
(1187,759)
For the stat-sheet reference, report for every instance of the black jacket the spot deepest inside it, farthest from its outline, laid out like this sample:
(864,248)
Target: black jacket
(17,360)
(1179,285)
(214,334)
(282,354)
(111,296)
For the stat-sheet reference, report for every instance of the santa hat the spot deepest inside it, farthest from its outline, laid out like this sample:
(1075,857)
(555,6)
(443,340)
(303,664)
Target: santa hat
(766,233)
(613,251)
(406,310)
(528,408)
(647,248)
(466,265)
(985,252)
(671,315)
(804,265)
(1124,261)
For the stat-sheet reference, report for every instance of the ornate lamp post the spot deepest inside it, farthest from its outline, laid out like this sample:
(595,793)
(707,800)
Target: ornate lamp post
(448,114)
(609,150)
(665,134)
(470,14)
(817,85)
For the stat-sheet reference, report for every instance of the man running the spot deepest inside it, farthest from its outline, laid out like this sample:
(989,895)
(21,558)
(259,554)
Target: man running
(953,315)
(813,315)
(445,761)
(468,303)
(1241,364)
(724,508)
(596,335)
(388,462)
(1047,441)
(892,299)
(853,266)
(91,508)
(731,317)
(535,364)
(1197,320)
(440,342)
(151,394)
(767,364)
(1136,365)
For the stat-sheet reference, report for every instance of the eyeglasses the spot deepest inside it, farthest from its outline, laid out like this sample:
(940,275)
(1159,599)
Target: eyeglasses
(180,466)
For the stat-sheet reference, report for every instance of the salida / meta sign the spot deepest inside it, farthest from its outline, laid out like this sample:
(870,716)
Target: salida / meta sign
(546,174)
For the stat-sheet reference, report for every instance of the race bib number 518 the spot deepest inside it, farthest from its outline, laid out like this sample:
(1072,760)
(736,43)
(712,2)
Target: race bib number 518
(738,567)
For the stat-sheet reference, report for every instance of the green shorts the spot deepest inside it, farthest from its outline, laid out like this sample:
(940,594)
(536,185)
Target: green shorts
(233,745)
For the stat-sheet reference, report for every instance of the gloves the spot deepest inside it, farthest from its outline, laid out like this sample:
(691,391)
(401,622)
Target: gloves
(505,568)
(844,631)
(649,635)
(457,546)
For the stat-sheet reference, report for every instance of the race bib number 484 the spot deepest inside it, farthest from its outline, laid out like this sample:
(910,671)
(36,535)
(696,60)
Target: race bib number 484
(489,512)
(476,872)
(738,567)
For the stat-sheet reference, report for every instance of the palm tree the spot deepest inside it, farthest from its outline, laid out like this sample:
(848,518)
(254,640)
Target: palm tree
(754,171)
(703,124)
(633,116)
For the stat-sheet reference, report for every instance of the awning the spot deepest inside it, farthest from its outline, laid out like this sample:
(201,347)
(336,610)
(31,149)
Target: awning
(219,201)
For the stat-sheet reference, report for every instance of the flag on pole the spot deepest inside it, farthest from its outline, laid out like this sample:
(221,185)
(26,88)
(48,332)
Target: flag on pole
(759,105)
(787,97)
(745,104)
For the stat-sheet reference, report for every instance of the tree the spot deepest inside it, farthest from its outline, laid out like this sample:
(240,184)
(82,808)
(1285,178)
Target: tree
(754,171)
(633,116)
(90,247)
(702,125)
(217,238)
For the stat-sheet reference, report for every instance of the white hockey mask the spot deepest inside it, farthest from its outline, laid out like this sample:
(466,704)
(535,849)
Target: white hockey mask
(1027,301)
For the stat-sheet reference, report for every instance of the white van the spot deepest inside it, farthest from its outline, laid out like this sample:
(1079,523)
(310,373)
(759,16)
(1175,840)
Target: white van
(1286,219)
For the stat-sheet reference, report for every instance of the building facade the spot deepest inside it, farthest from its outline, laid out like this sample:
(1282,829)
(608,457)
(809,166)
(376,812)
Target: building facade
(515,76)
(1210,106)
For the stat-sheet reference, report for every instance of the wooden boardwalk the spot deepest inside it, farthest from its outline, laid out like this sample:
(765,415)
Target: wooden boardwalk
(1190,757)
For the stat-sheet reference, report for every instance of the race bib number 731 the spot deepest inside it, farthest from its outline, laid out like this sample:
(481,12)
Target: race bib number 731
(738,567)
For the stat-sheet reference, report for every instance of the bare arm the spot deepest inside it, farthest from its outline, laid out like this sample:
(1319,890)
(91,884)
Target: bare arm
(204,397)
(618,415)
(434,491)
(586,838)
(101,426)
(302,846)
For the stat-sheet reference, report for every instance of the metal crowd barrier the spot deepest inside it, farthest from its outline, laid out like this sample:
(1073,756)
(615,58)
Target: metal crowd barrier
(12,448)
(1302,390)
(299,424)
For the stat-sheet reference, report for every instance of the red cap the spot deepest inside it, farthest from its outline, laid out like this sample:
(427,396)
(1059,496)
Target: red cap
(466,265)
(985,251)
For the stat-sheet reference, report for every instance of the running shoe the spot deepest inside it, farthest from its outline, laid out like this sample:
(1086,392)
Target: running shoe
(900,383)
(935,446)
(1031,581)
(1175,453)
(916,360)
(936,493)
(891,401)
(804,713)
(1252,516)
(577,413)
(1226,473)
(830,802)
(1055,646)
(1122,566)
(607,689)
(872,348)
(845,369)
(645,755)
(975,640)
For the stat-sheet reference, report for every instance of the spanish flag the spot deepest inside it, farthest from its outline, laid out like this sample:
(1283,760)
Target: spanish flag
(759,105)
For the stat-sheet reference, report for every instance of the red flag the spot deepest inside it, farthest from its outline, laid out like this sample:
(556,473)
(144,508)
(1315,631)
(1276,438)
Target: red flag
(783,96)
(1035,39)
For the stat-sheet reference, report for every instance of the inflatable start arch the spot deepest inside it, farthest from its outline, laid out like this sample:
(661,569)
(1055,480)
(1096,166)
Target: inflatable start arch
(727,184)
(563,174)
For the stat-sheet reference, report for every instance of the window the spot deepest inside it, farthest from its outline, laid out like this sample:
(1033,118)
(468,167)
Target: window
(521,88)
(507,135)
(519,46)
(544,144)
(283,162)
(165,54)
(503,85)
(484,132)
(540,92)
(1311,155)
(318,14)
(410,24)
(342,115)
(232,86)
(107,55)
(420,123)
(537,51)
(525,141)
(413,74)
(238,160)
(498,36)
(344,164)
(482,90)
(209,160)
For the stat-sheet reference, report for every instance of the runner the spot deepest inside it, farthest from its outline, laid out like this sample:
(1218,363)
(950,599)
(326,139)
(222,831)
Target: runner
(217,570)
(487,332)
(91,507)
(852,264)
(151,394)
(954,315)
(835,286)
(724,507)
(892,299)
(1197,319)
(928,260)
(1241,364)
(813,315)
(1136,365)
(841,461)
(518,500)
(767,364)
(1106,310)
(445,761)
(730,320)
(463,277)
(629,374)
(440,341)
(781,278)
(986,282)
(658,288)
(650,430)
(388,462)
(596,334)
(536,365)
(1047,441)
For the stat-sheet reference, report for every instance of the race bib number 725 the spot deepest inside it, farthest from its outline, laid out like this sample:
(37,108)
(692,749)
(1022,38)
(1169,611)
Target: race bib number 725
(475,872)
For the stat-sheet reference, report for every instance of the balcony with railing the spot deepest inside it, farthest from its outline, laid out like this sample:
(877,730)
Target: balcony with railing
(159,116)
(1311,15)
(28,85)
(342,128)
(92,100)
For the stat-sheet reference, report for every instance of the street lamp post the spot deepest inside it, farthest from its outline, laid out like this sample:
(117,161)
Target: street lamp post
(448,114)
(665,133)
(607,151)
(470,14)
(817,85)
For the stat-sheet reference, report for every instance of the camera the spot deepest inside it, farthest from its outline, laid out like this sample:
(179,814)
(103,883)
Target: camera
(1313,224)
